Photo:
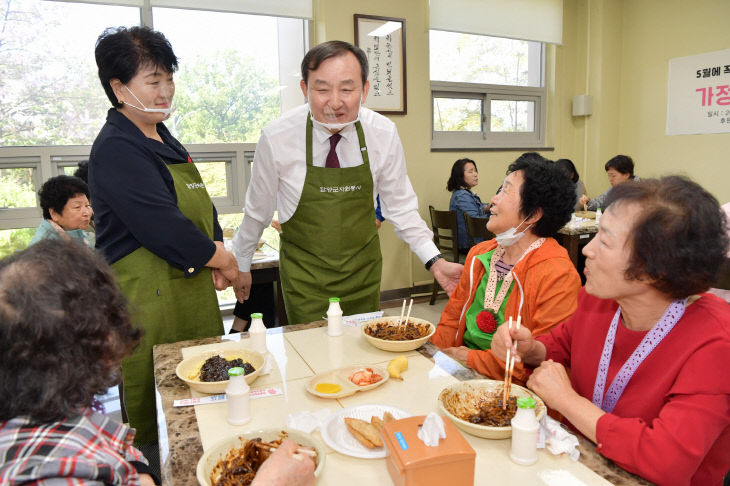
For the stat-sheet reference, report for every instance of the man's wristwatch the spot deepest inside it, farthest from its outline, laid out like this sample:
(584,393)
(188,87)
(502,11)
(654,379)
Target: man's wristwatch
(433,260)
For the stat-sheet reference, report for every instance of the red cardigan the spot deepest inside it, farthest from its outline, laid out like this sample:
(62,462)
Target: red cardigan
(672,422)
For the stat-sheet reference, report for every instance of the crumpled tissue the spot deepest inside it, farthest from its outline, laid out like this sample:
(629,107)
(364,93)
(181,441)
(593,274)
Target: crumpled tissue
(556,439)
(307,421)
(268,365)
(432,430)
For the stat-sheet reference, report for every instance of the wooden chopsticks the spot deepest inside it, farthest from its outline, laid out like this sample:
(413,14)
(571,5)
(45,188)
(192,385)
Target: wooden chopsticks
(271,448)
(403,309)
(509,366)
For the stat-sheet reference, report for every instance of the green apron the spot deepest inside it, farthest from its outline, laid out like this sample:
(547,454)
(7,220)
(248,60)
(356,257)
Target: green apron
(169,306)
(330,245)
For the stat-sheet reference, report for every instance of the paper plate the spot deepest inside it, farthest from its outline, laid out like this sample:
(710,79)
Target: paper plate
(336,435)
(220,449)
(191,365)
(340,377)
(462,399)
(397,346)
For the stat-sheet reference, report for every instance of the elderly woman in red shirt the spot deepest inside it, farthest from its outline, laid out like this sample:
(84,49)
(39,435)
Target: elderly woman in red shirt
(648,352)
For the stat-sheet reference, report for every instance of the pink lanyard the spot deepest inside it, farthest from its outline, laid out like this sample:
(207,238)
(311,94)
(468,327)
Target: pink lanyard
(671,316)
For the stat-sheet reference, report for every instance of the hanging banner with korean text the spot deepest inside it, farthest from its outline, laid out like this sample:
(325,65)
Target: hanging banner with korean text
(698,94)
(383,39)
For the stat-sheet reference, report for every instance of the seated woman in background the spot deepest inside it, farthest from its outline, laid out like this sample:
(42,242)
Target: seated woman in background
(64,329)
(580,188)
(648,357)
(66,209)
(618,170)
(464,177)
(535,201)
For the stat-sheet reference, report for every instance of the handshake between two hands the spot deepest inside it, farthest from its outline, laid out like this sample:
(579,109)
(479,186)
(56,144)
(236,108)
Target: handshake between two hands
(228,274)
(241,283)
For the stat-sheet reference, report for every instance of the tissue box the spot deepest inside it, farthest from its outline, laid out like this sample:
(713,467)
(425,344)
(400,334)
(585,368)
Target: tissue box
(411,463)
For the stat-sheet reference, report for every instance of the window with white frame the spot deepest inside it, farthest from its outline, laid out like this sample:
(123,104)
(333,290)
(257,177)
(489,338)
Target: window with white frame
(237,72)
(486,92)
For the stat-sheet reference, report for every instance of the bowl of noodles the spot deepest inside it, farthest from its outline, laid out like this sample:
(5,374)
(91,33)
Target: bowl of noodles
(387,334)
(207,372)
(475,406)
(236,459)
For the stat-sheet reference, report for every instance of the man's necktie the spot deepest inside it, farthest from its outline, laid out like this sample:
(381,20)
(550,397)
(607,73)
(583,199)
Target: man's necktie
(332,161)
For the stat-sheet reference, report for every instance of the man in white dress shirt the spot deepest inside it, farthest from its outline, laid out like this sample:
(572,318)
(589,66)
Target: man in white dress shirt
(322,165)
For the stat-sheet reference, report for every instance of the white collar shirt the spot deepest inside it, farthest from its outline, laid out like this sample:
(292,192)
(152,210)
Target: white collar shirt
(279,169)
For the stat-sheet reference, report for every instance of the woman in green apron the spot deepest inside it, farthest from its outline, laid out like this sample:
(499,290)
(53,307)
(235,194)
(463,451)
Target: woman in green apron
(155,221)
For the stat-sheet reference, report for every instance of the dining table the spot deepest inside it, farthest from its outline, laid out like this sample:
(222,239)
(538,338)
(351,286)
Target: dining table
(300,352)
(577,233)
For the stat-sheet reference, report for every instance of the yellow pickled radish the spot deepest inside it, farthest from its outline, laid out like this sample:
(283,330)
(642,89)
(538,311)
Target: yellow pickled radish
(327,388)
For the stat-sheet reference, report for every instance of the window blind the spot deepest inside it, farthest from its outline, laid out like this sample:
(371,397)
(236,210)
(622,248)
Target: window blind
(533,20)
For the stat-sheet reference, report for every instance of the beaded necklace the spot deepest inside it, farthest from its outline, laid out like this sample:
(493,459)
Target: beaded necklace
(666,323)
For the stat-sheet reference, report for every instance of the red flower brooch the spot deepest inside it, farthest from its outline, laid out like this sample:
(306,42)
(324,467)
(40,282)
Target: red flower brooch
(486,322)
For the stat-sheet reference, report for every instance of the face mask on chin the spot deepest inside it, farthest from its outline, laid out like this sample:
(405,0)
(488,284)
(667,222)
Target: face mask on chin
(165,111)
(511,236)
(334,127)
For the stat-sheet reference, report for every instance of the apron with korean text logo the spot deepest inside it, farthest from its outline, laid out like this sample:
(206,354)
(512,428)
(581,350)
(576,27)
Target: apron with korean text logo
(169,306)
(330,245)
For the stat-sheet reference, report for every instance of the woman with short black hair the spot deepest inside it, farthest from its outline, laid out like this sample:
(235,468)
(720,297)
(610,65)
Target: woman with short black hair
(155,221)
(524,264)
(66,209)
(464,177)
(648,350)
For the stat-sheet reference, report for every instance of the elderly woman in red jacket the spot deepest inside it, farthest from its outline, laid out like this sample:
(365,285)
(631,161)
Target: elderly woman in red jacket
(648,357)
(524,271)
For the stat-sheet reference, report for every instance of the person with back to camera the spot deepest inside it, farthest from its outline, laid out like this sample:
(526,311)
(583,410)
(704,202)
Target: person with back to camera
(155,221)
(648,350)
(464,176)
(580,188)
(522,271)
(619,169)
(322,165)
(66,209)
(64,329)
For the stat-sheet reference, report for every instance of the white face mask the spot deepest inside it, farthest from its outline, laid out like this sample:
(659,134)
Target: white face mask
(335,127)
(166,111)
(511,236)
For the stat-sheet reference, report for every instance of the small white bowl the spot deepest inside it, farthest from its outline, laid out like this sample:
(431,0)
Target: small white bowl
(220,449)
(397,346)
(463,397)
(191,367)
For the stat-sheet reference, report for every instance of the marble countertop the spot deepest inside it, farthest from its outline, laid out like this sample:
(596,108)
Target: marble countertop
(180,440)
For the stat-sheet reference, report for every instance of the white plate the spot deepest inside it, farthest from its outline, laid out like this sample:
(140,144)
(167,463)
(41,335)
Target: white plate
(336,435)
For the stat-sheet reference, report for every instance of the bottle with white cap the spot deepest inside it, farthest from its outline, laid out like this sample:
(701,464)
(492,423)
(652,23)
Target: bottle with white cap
(334,317)
(239,411)
(257,333)
(524,432)
(598,216)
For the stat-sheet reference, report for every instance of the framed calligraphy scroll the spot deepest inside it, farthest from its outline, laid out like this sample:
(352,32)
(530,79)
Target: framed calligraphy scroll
(384,41)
